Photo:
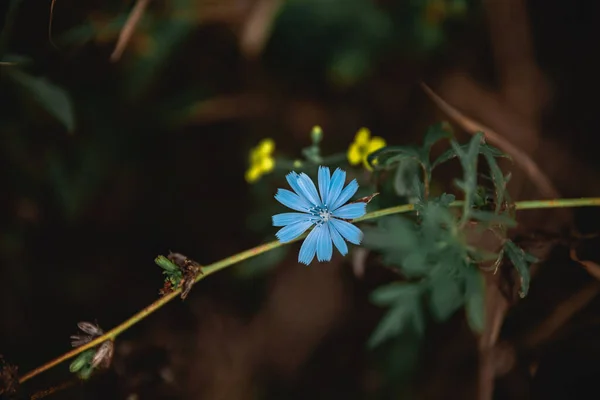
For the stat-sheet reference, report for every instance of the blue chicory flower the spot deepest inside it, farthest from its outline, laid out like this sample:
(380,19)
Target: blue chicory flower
(324,209)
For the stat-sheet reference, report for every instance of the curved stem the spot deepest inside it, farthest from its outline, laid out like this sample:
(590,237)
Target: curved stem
(229,261)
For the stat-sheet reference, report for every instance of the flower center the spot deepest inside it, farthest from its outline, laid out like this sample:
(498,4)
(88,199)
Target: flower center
(322,212)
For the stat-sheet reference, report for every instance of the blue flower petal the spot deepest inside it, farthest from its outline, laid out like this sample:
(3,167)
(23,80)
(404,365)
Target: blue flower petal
(309,247)
(351,211)
(324,180)
(292,200)
(336,186)
(346,194)
(324,246)
(292,179)
(350,232)
(308,189)
(292,231)
(339,242)
(291,218)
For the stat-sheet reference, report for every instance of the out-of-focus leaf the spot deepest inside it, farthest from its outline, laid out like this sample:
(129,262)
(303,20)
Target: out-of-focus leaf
(446,296)
(391,155)
(435,133)
(406,177)
(55,100)
(13,60)
(396,238)
(475,299)
(389,294)
(405,309)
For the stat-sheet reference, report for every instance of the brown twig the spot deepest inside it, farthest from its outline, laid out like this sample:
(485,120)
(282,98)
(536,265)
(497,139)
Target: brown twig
(561,314)
(126,33)
(47,392)
(496,307)
(535,174)
(257,26)
(522,84)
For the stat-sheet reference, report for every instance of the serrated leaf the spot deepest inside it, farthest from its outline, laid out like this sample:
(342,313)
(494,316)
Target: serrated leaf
(405,310)
(388,294)
(404,179)
(452,152)
(390,155)
(391,325)
(521,262)
(434,134)
(397,240)
(497,175)
(54,99)
(446,296)
(475,299)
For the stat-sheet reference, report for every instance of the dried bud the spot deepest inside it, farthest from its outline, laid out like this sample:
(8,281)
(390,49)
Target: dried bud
(93,331)
(90,329)
(189,270)
(9,378)
(103,355)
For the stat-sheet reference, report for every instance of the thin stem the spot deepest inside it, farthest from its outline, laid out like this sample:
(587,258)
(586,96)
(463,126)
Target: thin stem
(237,258)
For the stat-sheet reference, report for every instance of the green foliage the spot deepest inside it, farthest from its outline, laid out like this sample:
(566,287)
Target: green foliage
(55,100)
(399,157)
(403,300)
(171,270)
(521,261)
(432,249)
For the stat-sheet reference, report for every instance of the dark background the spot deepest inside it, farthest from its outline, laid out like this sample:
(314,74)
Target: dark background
(157,159)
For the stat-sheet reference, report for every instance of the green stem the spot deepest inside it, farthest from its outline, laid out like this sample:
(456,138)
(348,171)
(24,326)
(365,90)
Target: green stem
(229,261)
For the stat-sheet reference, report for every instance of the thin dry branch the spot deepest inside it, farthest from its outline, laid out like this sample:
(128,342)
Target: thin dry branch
(257,27)
(126,33)
(535,174)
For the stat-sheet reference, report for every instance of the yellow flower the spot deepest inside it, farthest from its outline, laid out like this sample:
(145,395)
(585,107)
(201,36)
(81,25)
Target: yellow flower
(261,160)
(362,146)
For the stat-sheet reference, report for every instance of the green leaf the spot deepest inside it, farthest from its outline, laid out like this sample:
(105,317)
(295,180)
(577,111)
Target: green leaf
(407,178)
(434,134)
(498,178)
(446,296)
(391,155)
(475,299)
(397,239)
(484,148)
(55,100)
(405,309)
(388,294)
(521,262)
(166,264)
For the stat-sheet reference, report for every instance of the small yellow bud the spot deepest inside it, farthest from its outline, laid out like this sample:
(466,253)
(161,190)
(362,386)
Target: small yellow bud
(316,134)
